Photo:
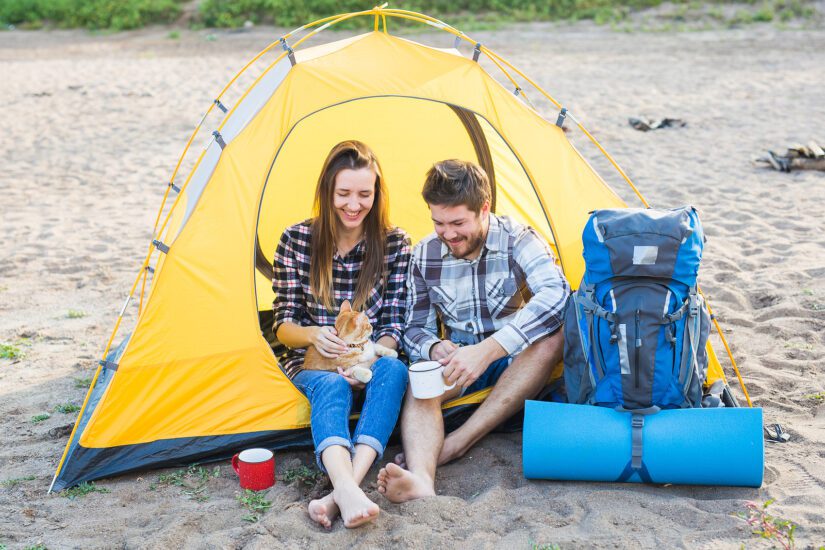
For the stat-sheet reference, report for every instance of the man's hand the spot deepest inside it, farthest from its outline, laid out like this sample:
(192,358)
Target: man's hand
(442,350)
(466,364)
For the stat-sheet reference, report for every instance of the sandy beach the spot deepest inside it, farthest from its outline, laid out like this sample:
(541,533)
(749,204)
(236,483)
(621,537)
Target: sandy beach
(93,127)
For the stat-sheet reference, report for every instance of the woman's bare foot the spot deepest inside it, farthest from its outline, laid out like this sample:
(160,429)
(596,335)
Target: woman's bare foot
(323,511)
(400,485)
(356,508)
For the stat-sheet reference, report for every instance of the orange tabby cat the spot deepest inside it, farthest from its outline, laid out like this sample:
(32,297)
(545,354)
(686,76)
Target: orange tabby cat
(354,329)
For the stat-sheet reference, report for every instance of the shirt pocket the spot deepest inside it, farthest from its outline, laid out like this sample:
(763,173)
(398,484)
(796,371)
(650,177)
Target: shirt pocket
(444,300)
(503,297)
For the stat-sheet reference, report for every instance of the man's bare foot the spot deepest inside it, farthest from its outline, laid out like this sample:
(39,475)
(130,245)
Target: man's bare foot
(400,485)
(323,511)
(401,460)
(356,508)
(450,451)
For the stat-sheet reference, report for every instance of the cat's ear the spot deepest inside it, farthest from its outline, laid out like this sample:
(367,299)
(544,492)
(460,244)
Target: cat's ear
(346,306)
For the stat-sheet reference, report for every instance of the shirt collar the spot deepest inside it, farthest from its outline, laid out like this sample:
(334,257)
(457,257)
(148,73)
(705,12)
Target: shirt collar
(357,249)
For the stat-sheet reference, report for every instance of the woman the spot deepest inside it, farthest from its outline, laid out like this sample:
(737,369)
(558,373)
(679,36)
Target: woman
(346,252)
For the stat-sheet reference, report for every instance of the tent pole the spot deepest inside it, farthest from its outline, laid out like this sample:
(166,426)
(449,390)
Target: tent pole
(727,348)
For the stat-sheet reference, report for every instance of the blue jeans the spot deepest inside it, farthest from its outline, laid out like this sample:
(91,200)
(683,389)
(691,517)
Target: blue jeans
(490,376)
(330,399)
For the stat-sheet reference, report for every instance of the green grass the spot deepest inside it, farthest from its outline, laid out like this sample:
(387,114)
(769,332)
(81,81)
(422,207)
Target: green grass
(14,482)
(192,481)
(36,547)
(75,314)
(38,418)
(303,475)
(10,351)
(774,529)
(551,546)
(85,488)
(82,383)
(255,503)
(820,396)
(66,408)
(109,15)
(90,14)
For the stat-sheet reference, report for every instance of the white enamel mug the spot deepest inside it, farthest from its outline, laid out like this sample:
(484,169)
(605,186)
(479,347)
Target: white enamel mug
(427,380)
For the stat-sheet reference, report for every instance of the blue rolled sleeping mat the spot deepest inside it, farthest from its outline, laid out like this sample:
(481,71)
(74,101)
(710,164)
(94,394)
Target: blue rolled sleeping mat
(714,446)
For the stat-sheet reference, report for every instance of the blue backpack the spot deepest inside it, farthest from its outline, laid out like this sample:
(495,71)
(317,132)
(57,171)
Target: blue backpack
(636,329)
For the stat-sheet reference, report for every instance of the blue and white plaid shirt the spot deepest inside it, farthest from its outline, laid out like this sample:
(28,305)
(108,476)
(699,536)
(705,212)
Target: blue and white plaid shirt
(485,297)
(295,303)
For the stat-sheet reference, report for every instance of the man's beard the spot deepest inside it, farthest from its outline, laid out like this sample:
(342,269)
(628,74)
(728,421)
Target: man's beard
(471,245)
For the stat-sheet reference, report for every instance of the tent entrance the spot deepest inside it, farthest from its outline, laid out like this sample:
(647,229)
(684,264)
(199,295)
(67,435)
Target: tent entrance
(408,135)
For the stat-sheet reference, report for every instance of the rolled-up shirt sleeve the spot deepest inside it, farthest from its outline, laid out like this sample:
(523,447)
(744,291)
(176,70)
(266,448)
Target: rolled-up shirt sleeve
(543,314)
(421,331)
(394,309)
(286,284)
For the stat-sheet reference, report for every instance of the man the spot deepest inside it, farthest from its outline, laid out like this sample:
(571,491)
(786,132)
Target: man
(472,275)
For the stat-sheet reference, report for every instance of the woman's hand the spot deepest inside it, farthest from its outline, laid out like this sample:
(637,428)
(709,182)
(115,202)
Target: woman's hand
(347,374)
(326,341)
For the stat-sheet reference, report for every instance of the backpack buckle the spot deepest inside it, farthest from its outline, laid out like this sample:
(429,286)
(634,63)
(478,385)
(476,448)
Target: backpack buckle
(693,304)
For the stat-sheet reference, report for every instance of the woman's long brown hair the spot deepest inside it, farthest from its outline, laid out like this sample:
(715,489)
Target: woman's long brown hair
(352,155)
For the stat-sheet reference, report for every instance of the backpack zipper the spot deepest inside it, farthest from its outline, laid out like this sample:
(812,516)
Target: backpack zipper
(638,347)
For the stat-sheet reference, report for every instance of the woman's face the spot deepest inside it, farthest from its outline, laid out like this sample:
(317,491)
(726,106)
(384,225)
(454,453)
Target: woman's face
(353,196)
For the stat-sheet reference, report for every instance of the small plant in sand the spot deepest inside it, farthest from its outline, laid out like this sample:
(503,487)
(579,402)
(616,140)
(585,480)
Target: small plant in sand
(38,418)
(35,547)
(303,475)
(777,530)
(551,546)
(820,396)
(15,481)
(75,314)
(10,351)
(82,383)
(173,35)
(255,503)
(66,408)
(85,488)
(804,346)
(193,481)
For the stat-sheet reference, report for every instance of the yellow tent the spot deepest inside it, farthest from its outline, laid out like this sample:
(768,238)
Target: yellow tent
(196,379)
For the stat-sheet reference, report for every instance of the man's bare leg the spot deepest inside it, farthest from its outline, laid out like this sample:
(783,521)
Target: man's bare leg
(522,380)
(422,435)
(325,510)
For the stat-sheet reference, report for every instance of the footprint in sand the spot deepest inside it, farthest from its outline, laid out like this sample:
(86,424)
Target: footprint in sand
(762,300)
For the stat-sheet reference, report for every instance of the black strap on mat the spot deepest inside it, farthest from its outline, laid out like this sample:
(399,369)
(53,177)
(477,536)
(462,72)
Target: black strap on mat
(636,464)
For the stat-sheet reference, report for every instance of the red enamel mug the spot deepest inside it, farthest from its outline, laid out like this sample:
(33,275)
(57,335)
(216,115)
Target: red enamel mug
(256,468)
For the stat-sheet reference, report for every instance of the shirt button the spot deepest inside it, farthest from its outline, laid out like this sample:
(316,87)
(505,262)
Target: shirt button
(469,326)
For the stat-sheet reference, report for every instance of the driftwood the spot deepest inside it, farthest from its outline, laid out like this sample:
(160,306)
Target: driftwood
(647,124)
(797,157)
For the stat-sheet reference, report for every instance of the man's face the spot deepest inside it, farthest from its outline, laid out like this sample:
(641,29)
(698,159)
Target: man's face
(461,229)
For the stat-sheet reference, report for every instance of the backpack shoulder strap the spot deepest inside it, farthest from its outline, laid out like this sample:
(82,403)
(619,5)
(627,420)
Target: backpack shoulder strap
(689,364)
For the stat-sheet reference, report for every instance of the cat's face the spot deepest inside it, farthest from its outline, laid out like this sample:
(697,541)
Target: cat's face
(352,326)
